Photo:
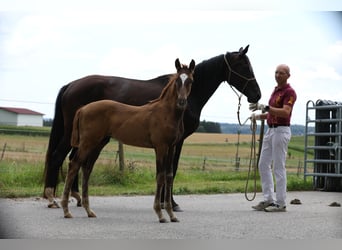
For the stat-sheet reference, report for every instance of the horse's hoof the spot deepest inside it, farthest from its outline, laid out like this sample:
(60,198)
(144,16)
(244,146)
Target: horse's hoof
(174,219)
(77,197)
(68,216)
(92,215)
(53,204)
(177,209)
(162,220)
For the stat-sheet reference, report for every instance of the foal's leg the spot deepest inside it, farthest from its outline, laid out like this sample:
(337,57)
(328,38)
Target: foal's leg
(160,176)
(169,184)
(175,206)
(74,188)
(85,197)
(74,166)
(75,192)
(157,205)
(87,169)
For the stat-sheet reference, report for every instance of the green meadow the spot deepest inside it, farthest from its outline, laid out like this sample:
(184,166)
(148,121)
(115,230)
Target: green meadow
(208,165)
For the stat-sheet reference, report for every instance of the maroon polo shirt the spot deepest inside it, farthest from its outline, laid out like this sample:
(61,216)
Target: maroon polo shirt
(280,97)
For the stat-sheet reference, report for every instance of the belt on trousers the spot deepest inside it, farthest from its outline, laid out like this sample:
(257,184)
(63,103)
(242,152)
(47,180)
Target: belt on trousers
(278,125)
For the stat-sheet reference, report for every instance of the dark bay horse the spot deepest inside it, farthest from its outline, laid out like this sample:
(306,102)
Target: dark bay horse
(233,67)
(157,124)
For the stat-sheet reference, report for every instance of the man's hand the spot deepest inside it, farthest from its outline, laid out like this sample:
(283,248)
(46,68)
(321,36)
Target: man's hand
(258,106)
(255,117)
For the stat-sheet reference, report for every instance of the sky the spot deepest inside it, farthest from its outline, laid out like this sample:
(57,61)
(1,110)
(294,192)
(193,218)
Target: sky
(45,45)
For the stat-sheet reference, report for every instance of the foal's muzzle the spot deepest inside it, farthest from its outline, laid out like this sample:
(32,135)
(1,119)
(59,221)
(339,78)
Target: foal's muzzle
(181,103)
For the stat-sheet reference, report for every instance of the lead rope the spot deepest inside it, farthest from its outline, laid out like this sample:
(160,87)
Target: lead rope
(254,160)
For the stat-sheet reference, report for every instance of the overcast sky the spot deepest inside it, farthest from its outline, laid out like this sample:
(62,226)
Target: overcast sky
(44,46)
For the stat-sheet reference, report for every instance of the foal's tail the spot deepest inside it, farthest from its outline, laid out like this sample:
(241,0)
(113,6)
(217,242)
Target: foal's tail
(56,134)
(75,135)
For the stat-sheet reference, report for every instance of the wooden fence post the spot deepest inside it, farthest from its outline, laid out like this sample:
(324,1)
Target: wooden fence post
(121,157)
(3,151)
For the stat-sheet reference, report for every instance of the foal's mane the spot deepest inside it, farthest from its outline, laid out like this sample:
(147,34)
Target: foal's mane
(173,78)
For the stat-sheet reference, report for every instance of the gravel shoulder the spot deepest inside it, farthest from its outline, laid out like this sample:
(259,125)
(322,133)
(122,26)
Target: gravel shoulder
(222,216)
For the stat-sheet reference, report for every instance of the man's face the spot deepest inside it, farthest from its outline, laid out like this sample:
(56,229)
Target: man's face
(281,75)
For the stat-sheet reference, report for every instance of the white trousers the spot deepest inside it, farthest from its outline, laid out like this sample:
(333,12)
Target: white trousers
(274,151)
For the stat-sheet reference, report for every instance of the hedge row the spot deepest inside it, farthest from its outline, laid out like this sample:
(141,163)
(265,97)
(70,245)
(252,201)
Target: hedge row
(24,130)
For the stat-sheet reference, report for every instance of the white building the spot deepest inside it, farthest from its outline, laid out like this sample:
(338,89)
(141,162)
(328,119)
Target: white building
(20,117)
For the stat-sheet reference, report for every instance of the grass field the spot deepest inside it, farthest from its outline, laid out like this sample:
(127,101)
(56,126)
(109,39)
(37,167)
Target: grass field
(207,165)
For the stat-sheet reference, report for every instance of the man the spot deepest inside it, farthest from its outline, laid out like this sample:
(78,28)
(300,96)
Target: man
(275,142)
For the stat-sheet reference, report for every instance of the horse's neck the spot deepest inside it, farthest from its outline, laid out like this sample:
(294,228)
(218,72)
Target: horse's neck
(208,76)
(169,98)
(169,94)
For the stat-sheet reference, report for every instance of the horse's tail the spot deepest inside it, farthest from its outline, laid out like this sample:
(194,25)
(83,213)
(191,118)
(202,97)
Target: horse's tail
(57,132)
(75,135)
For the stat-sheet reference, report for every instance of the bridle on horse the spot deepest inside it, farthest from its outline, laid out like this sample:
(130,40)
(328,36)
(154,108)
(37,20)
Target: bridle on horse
(230,72)
(253,159)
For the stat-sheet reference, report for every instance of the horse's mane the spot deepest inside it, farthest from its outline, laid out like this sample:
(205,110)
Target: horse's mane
(173,78)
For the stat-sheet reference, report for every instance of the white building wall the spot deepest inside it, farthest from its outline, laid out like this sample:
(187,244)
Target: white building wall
(8,118)
(30,120)
(13,119)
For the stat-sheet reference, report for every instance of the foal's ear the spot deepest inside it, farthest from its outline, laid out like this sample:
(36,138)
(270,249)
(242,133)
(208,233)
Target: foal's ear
(192,65)
(243,51)
(178,65)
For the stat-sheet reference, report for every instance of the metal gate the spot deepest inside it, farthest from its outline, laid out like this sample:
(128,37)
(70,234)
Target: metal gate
(323,153)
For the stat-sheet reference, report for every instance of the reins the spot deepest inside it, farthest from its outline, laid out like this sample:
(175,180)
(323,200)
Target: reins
(230,71)
(253,159)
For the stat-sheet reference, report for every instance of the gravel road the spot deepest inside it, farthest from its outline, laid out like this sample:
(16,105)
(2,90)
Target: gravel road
(223,216)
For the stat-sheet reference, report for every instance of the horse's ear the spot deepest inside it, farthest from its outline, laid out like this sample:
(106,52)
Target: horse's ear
(243,51)
(192,65)
(178,65)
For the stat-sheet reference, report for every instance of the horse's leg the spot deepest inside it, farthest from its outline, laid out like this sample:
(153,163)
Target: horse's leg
(53,166)
(169,184)
(74,188)
(75,191)
(87,169)
(175,206)
(175,161)
(160,177)
(74,166)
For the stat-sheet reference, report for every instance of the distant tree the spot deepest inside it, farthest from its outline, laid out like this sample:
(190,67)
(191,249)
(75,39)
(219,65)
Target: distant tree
(209,127)
(200,129)
(47,122)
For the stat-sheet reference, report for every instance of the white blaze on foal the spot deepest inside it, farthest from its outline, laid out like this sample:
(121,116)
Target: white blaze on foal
(183,77)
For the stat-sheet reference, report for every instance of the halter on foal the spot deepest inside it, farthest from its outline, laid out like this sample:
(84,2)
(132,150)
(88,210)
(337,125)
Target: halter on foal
(158,125)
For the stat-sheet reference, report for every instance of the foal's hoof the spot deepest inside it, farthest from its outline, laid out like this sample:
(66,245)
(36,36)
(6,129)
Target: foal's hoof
(174,220)
(68,215)
(79,203)
(163,220)
(92,215)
